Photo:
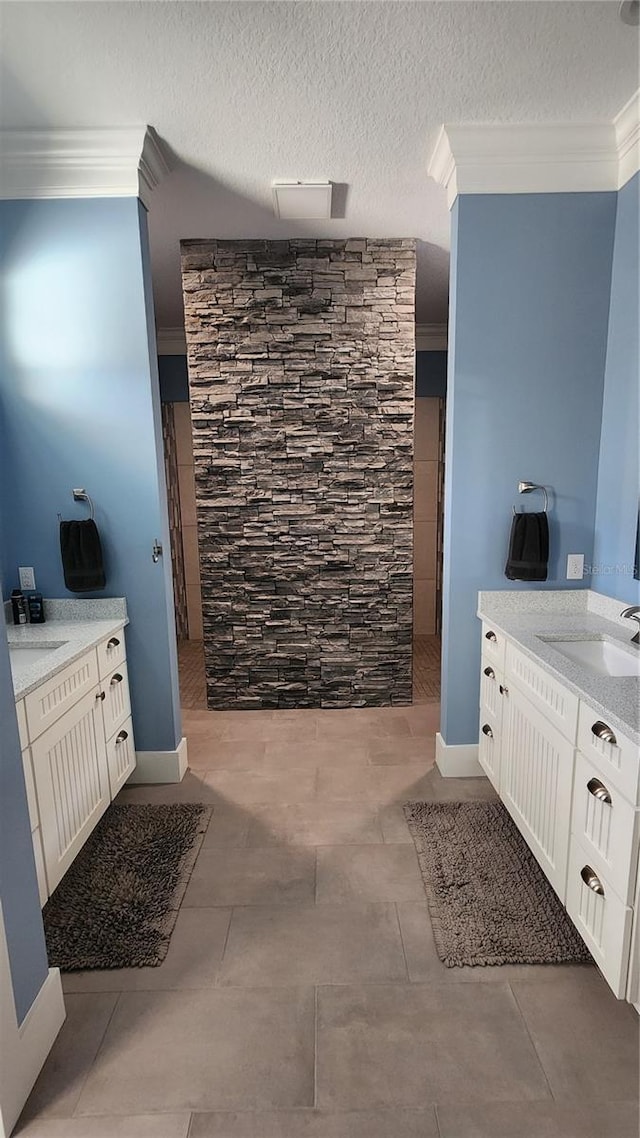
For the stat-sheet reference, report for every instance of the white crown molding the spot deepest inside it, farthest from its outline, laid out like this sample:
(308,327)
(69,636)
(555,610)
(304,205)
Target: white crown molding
(102,163)
(524,158)
(431,337)
(171,342)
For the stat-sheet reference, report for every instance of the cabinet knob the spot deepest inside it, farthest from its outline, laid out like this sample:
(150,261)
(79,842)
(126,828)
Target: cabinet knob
(503,690)
(601,731)
(486,730)
(121,736)
(591,880)
(100,695)
(491,636)
(490,673)
(599,790)
(113,643)
(116,678)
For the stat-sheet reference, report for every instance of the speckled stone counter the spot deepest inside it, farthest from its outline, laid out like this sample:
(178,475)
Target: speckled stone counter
(574,614)
(72,628)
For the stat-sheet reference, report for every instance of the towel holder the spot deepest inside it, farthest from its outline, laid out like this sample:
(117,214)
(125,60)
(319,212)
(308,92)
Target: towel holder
(527,488)
(80,495)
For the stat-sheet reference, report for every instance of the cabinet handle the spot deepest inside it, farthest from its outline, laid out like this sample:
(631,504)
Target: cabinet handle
(121,736)
(601,731)
(486,730)
(599,790)
(503,690)
(591,880)
(491,636)
(116,678)
(100,695)
(113,643)
(490,673)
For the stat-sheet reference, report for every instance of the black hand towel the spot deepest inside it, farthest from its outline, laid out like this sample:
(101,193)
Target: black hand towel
(82,556)
(528,548)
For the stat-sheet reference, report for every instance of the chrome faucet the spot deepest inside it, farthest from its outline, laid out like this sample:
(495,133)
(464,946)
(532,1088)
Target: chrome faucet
(633,612)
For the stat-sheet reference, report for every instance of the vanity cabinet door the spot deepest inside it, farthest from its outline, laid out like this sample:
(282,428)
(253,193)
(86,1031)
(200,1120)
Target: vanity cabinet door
(536,778)
(72,783)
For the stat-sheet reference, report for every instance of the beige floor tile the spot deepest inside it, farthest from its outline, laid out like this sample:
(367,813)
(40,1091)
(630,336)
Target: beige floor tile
(539,1120)
(228,828)
(423,718)
(425,965)
(357,724)
(273,728)
(316,753)
(587,1040)
(317,1124)
(271,876)
(409,749)
(60,1083)
(313,945)
(314,824)
(206,754)
(414,1044)
(347,874)
(193,959)
(280,787)
(131,1126)
(393,824)
(376,785)
(193,788)
(216,1049)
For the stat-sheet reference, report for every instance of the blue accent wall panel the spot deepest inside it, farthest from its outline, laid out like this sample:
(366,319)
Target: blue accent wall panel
(80,406)
(619,469)
(530,287)
(18,883)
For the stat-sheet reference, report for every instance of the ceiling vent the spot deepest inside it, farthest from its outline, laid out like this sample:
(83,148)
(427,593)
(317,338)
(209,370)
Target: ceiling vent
(302,201)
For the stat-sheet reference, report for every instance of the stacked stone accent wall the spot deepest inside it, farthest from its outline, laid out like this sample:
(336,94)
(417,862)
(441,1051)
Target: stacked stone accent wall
(301,371)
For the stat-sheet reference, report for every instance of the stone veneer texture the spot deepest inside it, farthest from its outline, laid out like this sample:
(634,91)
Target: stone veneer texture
(301,372)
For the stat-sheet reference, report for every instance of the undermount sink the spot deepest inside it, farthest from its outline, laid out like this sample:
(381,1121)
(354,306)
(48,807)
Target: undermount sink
(599,656)
(31,653)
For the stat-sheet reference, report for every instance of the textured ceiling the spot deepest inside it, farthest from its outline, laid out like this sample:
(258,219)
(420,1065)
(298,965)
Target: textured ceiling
(247,92)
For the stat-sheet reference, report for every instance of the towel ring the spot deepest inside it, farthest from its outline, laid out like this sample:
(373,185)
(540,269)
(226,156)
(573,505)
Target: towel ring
(527,488)
(81,495)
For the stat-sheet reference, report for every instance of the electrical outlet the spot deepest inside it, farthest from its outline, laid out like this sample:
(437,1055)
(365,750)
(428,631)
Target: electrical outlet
(575,566)
(27,577)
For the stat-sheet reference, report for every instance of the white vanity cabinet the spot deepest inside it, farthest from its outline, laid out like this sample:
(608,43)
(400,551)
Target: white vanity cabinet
(79,752)
(572,786)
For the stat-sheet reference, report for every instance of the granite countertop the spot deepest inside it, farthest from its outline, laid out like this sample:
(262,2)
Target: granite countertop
(71,629)
(583,615)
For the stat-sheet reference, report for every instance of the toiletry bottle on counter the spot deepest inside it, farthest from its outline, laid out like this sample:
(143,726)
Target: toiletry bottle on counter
(19,606)
(35,605)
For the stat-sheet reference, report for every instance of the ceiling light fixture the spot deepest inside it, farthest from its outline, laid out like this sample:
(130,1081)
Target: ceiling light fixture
(302,201)
(629,12)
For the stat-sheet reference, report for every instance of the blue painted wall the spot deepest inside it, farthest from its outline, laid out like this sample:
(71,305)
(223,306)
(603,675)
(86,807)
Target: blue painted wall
(18,883)
(80,404)
(619,473)
(530,285)
(431,374)
(174,379)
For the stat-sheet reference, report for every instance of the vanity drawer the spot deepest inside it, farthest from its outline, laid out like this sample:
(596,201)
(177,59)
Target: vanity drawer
(54,697)
(601,917)
(615,756)
(116,706)
(491,681)
(493,646)
(121,756)
(21,716)
(558,705)
(489,747)
(111,652)
(606,825)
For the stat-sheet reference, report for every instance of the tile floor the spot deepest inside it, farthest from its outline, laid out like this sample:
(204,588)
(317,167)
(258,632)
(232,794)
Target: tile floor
(302,996)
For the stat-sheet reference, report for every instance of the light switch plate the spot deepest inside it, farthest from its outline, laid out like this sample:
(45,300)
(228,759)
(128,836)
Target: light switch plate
(27,577)
(575,566)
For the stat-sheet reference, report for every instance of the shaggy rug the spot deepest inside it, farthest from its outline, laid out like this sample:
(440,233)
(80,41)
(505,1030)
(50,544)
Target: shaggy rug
(118,902)
(490,902)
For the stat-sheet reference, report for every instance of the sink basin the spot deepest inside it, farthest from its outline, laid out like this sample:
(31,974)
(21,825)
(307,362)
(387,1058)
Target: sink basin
(600,656)
(31,653)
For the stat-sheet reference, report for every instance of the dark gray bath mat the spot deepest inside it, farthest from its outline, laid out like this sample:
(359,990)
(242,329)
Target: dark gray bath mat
(490,902)
(117,904)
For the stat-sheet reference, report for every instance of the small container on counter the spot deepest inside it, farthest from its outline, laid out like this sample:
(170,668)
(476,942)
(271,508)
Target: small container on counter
(35,605)
(19,607)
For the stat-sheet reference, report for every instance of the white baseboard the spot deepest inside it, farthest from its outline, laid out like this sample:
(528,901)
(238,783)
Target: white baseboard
(457,761)
(160,766)
(25,1047)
